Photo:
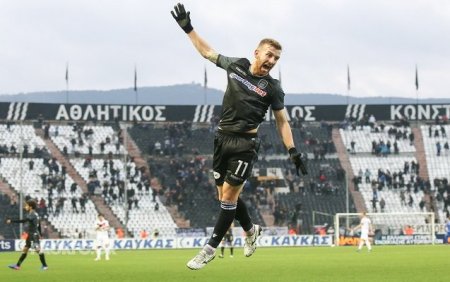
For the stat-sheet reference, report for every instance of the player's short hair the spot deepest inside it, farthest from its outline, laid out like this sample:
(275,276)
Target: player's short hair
(32,204)
(100,215)
(272,42)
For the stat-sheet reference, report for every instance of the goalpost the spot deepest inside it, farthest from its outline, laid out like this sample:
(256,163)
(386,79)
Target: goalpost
(395,228)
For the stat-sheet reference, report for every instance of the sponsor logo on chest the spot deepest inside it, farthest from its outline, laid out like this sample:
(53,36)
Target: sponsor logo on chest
(262,84)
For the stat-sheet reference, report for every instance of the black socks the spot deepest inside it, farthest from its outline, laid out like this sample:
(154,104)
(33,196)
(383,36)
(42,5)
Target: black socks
(226,217)
(21,259)
(42,258)
(242,215)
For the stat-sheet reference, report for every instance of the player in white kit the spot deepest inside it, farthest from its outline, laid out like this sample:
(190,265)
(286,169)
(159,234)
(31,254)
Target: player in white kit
(102,239)
(366,229)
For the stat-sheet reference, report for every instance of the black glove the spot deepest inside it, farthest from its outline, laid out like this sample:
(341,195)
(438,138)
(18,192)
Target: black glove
(183,19)
(297,159)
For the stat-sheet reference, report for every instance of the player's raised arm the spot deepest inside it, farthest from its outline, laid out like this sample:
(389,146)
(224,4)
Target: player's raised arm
(184,21)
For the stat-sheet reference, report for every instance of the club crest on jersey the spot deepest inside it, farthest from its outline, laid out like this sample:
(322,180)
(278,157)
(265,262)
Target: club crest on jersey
(216,175)
(262,84)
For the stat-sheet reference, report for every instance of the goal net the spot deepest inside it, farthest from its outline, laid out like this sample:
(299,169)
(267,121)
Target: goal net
(389,228)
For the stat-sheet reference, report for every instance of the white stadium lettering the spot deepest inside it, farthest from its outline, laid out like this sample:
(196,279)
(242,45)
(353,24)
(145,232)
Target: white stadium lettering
(107,112)
(76,112)
(309,113)
(134,115)
(89,113)
(305,112)
(102,112)
(115,109)
(62,113)
(421,112)
(147,113)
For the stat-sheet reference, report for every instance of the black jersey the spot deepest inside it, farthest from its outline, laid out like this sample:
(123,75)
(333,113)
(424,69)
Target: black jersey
(247,97)
(32,223)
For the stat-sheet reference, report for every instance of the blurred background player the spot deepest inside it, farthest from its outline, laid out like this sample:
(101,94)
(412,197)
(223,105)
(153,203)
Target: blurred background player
(447,230)
(102,229)
(249,94)
(366,229)
(227,241)
(33,229)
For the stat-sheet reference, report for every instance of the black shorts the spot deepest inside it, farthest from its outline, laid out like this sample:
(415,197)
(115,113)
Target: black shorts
(33,241)
(234,156)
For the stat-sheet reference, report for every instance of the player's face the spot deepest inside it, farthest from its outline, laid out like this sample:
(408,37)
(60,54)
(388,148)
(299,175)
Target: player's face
(266,57)
(27,207)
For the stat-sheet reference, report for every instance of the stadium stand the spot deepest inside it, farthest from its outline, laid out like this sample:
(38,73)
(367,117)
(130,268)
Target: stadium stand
(315,137)
(436,147)
(106,179)
(40,176)
(377,139)
(15,137)
(321,192)
(179,155)
(195,198)
(48,183)
(86,140)
(386,170)
(170,139)
(185,185)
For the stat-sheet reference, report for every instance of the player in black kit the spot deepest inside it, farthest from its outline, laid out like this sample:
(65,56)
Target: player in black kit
(227,241)
(33,229)
(249,94)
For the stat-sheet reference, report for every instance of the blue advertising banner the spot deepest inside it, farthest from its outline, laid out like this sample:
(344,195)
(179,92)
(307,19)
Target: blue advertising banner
(7,245)
(173,243)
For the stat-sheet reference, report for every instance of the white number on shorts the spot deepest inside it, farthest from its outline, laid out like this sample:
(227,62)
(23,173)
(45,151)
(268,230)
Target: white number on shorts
(239,167)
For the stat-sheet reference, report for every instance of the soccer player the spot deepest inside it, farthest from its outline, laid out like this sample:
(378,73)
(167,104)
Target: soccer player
(33,229)
(102,242)
(227,241)
(366,228)
(249,94)
(447,230)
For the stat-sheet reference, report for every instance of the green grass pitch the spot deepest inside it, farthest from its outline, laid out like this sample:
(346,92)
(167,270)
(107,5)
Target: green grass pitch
(384,263)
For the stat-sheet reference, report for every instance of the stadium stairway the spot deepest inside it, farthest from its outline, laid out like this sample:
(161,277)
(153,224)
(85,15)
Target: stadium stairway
(345,163)
(268,218)
(266,212)
(178,218)
(420,153)
(422,160)
(135,153)
(100,204)
(6,189)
